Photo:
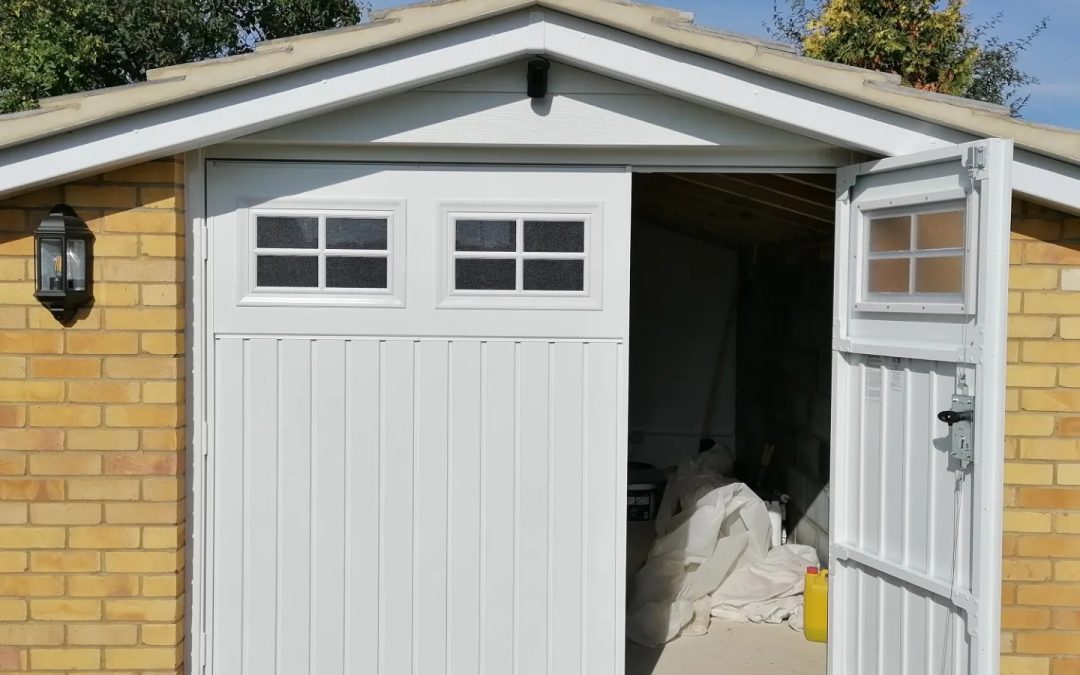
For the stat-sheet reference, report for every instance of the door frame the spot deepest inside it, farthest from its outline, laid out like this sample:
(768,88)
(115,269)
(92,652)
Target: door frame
(196,341)
(199,366)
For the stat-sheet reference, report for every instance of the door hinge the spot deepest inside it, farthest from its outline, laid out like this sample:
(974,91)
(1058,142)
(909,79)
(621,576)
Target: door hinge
(975,163)
(204,241)
(961,418)
(846,177)
(202,653)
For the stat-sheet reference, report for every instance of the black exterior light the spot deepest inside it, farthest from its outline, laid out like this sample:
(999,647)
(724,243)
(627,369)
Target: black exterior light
(64,247)
(536,77)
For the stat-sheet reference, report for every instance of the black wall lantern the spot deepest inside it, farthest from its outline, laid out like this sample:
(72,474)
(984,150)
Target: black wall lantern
(64,247)
(536,77)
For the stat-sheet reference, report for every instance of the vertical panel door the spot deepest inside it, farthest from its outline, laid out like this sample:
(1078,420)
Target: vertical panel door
(418,412)
(918,406)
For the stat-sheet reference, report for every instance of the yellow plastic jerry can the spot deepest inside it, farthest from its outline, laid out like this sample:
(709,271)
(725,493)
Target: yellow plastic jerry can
(816,605)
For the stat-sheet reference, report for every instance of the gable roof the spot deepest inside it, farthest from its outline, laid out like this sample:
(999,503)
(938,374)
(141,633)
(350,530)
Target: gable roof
(173,84)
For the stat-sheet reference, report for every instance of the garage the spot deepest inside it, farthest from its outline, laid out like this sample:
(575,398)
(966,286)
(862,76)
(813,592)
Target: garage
(441,375)
(512,331)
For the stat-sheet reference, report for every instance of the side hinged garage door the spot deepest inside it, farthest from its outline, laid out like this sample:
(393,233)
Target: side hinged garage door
(919,339)
(418,414)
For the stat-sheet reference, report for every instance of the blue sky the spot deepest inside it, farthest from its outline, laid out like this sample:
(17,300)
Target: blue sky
(1054,58)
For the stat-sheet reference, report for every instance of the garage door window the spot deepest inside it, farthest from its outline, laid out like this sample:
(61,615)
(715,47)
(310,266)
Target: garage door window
(519,256)
(321,252)
(536,256)
(324,256)
(916,261)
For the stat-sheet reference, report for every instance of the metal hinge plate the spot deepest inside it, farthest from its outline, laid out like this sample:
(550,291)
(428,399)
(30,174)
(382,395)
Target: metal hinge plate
(975,163)
(962,433)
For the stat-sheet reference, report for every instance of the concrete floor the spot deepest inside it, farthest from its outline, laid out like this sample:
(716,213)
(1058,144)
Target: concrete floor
(731,649)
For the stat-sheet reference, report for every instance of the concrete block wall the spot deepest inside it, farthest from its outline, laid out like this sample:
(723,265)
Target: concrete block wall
(783,380)
(92,436)
(1041,567)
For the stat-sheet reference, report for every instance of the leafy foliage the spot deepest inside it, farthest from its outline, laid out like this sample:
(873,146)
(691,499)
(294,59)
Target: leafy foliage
(930,44)
(59,47)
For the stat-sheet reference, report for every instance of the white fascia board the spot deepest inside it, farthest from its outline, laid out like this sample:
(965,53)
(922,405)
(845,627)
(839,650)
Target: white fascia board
(199,122)
(697,78)
(1048,181)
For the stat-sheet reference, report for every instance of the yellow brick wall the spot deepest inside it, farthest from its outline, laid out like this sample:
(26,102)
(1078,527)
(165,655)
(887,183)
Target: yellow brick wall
(1041,587)
(91,437)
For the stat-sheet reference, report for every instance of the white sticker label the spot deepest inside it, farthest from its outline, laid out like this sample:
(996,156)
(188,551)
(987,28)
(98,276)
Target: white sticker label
(873,378)
(896,374)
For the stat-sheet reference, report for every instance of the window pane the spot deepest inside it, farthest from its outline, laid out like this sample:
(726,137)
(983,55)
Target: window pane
(287,271)
(274,232)
(356,233)
(486,235)
(939,275)
(76,264)
(476,274)
(554,237)
(554,275)
(888,276)
(940,230)
(890,234)
(52,265)
(355,272)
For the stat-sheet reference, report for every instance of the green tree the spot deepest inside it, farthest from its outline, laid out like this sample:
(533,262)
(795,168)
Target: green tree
(930,44)
(54,47)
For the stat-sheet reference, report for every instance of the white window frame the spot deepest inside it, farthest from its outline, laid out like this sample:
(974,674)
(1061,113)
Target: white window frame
(251,294)
(923,303)
(590,298)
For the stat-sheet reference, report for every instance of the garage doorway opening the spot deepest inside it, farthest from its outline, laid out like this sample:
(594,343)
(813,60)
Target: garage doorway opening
(730,375)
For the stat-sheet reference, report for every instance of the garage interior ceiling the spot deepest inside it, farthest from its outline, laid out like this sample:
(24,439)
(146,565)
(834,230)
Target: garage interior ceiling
(738,208)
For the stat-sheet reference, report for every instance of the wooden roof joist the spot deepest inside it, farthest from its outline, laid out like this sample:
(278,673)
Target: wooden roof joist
(689,203)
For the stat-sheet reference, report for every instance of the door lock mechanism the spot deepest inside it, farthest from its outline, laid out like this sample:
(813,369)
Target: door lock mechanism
(961,430)
(951,417)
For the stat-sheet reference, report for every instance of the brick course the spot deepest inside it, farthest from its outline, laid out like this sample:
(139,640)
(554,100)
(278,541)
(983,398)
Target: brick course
(91,436)
(1041,571)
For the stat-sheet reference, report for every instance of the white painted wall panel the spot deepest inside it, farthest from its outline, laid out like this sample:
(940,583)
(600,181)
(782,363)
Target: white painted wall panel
(293,419)
(684,290)
(464,509)
(906,508)
(567,507)
(603,505)
(260,457)
(533,500)
(432,407)
(497,447)
(328,505)
(228,570)
(363,492)
(408,506)
(396,509)
(491,108)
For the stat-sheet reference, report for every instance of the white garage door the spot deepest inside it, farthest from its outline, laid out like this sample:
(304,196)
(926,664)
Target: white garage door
(918,407)
(418,396)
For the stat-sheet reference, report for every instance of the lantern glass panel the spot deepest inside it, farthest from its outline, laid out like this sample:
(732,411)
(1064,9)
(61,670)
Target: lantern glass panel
(50,264)
(76,265)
